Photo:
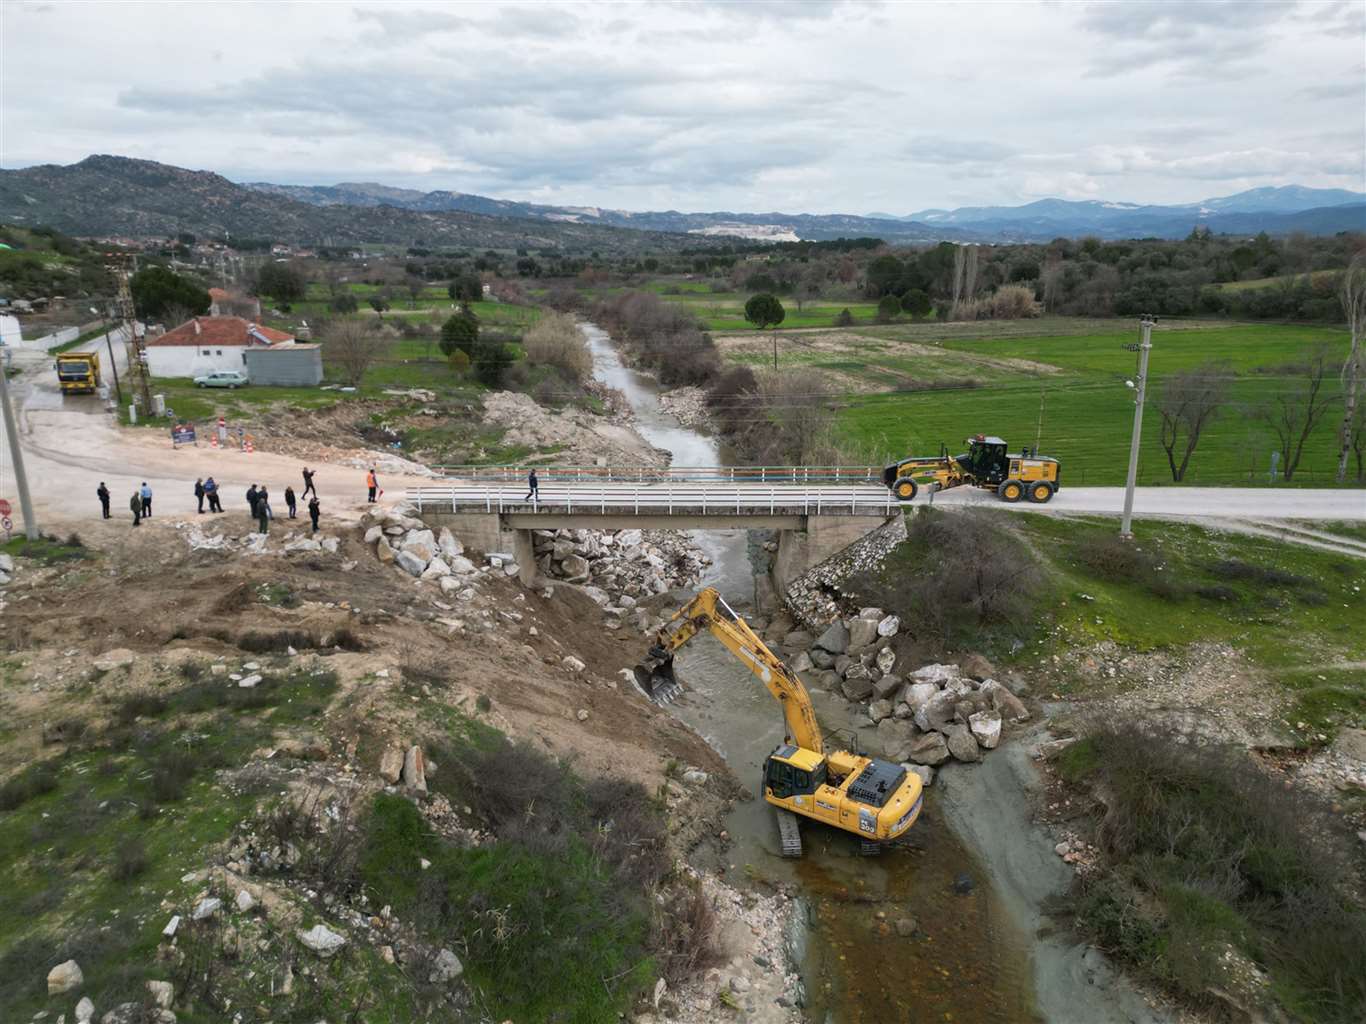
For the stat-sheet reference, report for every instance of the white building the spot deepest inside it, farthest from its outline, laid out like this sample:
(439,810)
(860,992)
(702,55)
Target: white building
(209,343)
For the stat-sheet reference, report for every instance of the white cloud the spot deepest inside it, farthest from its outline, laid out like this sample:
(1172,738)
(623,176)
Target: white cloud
(821,107)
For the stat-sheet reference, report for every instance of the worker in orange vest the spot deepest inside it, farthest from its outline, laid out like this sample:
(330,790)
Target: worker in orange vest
(372,482)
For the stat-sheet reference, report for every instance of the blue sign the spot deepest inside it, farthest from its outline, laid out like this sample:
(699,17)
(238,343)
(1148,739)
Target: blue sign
(182,433)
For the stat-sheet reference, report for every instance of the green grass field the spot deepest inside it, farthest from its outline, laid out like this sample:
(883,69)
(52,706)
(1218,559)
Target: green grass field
(1086,411)
(725,311)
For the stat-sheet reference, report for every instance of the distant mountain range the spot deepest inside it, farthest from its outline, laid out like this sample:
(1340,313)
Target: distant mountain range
(117,196)
(110,195)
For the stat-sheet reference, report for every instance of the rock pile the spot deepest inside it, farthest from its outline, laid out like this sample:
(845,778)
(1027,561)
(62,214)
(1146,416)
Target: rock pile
(623,565)
(406,542)
(816,596)
(923,717)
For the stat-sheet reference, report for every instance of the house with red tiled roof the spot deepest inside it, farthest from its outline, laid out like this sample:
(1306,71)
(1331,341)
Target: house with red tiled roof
(207,343)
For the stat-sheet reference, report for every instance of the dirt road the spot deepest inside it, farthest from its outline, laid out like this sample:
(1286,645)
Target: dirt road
(70,444)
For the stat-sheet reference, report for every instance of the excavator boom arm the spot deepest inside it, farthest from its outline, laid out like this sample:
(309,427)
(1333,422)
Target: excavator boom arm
(709,611)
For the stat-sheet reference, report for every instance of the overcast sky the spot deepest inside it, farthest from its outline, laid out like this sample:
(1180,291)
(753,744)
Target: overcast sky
(819,107)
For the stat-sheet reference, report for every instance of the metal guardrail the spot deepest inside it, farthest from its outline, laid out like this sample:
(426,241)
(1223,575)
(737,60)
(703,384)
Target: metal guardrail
(678,497)
(646,474)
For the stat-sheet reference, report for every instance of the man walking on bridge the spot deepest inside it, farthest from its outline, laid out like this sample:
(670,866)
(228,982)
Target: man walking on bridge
(533,486)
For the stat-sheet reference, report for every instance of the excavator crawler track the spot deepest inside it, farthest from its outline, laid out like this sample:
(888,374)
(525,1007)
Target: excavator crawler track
(790,833)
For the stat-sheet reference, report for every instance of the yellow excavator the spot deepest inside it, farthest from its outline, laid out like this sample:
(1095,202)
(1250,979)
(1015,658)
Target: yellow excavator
(875,800)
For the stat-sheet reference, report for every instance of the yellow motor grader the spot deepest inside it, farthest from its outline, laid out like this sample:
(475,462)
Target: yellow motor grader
(985,464)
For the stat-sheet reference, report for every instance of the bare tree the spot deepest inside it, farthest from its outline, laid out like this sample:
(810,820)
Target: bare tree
(353,346)
(175,314)
(555,340)
(1356,438)
(1353,295)
(1190,399)
(414,286)
(1298,406)
(800,409)
(959,258)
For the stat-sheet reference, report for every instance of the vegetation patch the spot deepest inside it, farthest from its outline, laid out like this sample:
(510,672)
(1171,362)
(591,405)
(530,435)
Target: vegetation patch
(47,549)
(1211,855)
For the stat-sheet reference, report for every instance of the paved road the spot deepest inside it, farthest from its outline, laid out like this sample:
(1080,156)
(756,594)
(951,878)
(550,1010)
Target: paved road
(1243,503)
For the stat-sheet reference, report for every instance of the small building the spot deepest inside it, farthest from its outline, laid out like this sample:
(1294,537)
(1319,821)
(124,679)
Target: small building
(207,343)
(225,303)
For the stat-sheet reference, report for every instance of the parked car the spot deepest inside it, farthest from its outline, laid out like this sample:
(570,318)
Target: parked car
(221,379)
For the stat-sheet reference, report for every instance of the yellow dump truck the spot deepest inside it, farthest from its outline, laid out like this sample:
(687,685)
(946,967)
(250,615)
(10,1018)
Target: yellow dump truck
(78,372)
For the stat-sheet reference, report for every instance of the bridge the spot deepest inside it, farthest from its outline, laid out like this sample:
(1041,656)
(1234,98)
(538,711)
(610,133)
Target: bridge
(817,511)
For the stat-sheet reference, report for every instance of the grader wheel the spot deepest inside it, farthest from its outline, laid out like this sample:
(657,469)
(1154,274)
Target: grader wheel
(1040,492)
(905,489)
(1011,491)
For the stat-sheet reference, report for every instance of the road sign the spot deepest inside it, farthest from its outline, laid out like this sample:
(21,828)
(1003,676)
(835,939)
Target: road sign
(5,508)
(182,433)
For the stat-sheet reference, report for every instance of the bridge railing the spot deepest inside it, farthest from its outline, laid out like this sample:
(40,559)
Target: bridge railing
(680,498)
(647,474)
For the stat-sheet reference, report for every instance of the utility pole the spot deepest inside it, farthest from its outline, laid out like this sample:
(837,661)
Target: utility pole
(113,363)
(16,452)
(137,358)
(1143,347)
(775,353)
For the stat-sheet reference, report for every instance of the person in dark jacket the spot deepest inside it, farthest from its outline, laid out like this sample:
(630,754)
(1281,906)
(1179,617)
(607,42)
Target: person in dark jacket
(262,515)
(211,492)
(533,486)
(308,483)
(289,501)
(313,511)
(199,493)
(263,498)
(251,499)
(135,503)
(103,493)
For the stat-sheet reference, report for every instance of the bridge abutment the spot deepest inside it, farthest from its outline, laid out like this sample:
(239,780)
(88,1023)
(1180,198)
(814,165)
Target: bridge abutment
(825,536)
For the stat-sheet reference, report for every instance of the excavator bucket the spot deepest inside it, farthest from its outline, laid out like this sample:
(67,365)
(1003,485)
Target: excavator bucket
(655,677)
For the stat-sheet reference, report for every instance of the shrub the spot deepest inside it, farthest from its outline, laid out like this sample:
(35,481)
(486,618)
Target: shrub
(130,860)
(555,340)
(1209,850)
(172,774)
(959,574)
(844,318)
(33,781)
(459,362)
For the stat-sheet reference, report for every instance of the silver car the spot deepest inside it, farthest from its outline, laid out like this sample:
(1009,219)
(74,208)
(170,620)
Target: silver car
(221,379)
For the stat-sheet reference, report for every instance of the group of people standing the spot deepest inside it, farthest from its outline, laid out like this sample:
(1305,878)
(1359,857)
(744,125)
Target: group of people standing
(258,500)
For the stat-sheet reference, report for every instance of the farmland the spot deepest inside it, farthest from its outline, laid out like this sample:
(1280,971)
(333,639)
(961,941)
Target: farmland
(908,388)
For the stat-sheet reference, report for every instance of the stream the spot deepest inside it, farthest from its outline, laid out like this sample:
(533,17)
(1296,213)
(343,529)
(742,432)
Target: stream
(967,961)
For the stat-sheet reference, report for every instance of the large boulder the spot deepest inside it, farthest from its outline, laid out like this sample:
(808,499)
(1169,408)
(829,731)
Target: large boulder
(373,534)
(918,693)
(411,562)
(322,940)
(986,728)
(962,745)
(889,626)
(421,543)
(822,658)
(575,568)
(801,663)
(449,545)
(857,688)
(385,552)
(879,709)
(924,771)
(562,549)
(415,769)
(886,688)
(938,674)
(797,639)
(835,639)
(1010,706)
(64,977)
(462,565)
(436,568)
(936,714)
(886,659)
(897,738)
(862,632)
(446,968)
(977,667)
(927,748)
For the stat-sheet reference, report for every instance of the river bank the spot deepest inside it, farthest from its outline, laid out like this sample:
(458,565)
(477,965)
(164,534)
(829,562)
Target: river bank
(951,927)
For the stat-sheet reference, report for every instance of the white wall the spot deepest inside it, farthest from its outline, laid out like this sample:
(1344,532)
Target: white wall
(10,330)
(191,361)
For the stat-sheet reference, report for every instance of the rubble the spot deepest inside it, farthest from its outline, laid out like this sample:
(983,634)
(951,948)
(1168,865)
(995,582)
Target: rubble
(624,566)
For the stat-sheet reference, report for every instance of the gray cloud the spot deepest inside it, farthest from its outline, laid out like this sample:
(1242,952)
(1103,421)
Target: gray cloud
(815,106)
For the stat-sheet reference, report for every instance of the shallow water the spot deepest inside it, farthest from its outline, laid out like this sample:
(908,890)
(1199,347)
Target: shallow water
(966,962)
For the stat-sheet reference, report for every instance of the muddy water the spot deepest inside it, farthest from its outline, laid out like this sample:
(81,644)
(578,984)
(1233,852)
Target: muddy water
(965,961)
